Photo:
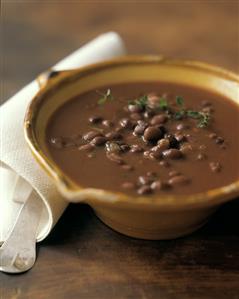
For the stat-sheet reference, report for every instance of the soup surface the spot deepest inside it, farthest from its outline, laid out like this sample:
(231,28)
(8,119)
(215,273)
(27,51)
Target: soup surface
(147,138)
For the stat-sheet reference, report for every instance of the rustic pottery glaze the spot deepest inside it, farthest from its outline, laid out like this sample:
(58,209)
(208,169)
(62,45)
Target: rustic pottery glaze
(164,217)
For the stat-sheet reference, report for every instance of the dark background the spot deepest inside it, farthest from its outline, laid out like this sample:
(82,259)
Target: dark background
(36,34)
(82,258)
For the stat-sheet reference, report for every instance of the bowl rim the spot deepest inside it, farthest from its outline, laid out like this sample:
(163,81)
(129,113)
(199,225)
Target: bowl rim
(74,192)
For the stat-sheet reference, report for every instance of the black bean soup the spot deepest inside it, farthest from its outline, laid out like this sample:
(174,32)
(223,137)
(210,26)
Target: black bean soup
(147,138)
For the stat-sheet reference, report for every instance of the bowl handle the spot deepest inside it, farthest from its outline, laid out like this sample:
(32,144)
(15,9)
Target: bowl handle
(44,78)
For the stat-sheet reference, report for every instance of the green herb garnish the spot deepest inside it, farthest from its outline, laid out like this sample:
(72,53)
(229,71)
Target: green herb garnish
(107,96)
(179,114)
(203,118)
(141,102)
(163,104)
(180,101)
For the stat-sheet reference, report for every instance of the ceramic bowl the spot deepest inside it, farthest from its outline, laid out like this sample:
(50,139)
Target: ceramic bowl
(162,217)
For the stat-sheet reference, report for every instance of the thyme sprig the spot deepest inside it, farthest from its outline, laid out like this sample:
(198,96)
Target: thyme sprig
(142,102)
(107,96)
(202,117)
(163,104)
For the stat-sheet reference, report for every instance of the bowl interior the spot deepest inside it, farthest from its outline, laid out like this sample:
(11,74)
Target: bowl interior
(65,86)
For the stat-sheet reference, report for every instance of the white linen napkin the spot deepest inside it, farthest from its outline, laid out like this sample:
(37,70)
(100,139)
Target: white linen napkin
(20,175)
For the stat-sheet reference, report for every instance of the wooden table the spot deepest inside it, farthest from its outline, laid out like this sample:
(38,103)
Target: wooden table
(82,258)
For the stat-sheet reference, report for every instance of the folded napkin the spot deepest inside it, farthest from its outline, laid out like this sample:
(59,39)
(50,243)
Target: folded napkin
(20,175)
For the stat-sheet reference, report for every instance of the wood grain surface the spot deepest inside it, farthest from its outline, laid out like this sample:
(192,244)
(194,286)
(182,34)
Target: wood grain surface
(82,258)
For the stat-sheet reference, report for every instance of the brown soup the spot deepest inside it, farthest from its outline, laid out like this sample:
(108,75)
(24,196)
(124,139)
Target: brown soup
(147,138)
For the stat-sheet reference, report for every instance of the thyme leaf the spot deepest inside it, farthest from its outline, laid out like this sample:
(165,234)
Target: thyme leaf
(194,114)
(180,101)
(107,96)
(163,104)
(141,101)
(204,120)
(179,114)
(202,117)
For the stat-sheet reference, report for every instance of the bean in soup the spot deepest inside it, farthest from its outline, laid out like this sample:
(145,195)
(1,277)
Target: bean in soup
(147,138)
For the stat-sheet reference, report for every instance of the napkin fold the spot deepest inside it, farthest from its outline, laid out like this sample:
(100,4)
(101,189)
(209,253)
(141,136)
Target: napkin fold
(20,175)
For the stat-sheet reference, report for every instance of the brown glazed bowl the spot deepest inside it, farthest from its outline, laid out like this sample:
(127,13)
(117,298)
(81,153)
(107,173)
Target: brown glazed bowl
(162,217)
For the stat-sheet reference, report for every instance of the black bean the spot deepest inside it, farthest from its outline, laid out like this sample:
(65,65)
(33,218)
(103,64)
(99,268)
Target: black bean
(180,137)
(107,123)
(135,108)
(128,185)
(113,136)
(182,126)
(219,140)
(145,180)
(158,119)
(142,122)
(140,128)
(98,141)
(95,119)
(154,148)
(156,185)
(153,133)
(186,148)
(149,113)
(164,144)
(144,190)
(215,166)
(172,153)
(112,147)
(159,185)
(135,148)
(156,152)
(178,180)
(153,156)
(125,147)
(86,147)
(91,135)
(126,123)
(212,135)
(146,154)
(172,140)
